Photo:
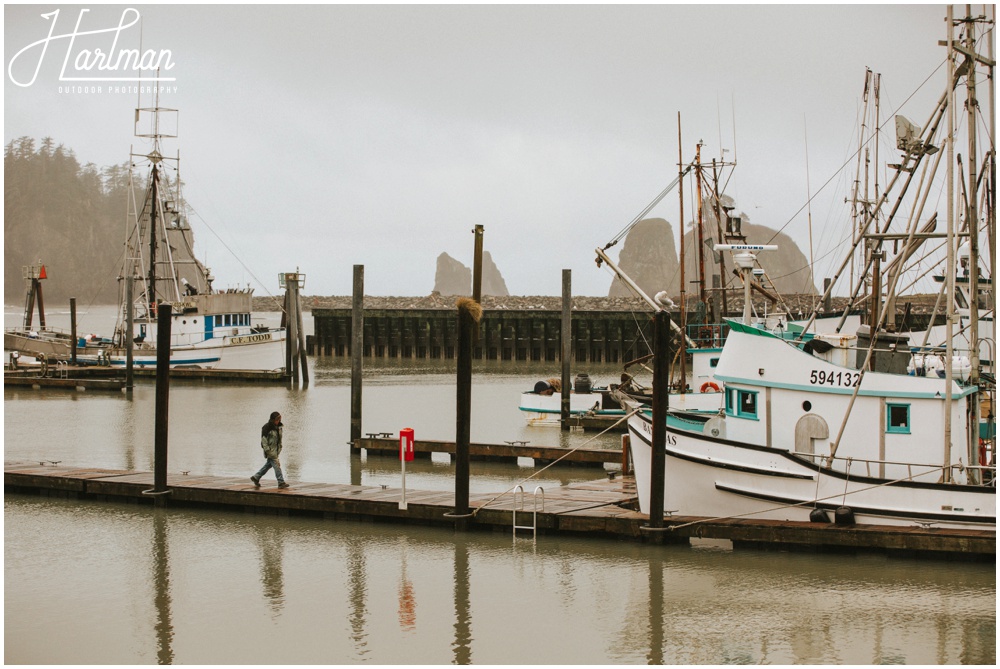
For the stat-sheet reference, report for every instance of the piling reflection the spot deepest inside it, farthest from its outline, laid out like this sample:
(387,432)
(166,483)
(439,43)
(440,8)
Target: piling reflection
(407,600)
(272,574)
(655,653)
(462,645)
(161,588)
(357,575)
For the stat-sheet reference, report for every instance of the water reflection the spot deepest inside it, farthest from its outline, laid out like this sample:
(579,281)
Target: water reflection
(161,582)
(461,645)
(269,541)
(357,575)
(386,594)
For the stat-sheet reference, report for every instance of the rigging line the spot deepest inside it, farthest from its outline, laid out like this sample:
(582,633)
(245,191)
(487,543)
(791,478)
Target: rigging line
(649,207)
(856,153)
(561,457)
(222,241)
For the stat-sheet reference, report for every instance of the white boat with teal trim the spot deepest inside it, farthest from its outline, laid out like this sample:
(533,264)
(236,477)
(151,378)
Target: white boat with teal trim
(767,453)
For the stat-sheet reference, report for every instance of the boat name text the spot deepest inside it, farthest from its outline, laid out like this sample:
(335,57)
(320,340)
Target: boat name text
(250,339)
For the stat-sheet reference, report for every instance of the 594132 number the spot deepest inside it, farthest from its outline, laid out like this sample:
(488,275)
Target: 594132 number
(819,377)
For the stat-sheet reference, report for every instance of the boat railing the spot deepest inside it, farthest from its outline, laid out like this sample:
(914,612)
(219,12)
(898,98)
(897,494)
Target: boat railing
(707,335)
(876,468)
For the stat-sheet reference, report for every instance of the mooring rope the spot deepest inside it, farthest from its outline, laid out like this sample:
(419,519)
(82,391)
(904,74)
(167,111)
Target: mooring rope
(561,457)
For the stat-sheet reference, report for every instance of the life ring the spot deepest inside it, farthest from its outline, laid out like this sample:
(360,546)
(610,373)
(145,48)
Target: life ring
(709,385)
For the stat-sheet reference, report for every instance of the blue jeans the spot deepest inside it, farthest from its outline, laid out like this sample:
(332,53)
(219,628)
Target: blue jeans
(271,462)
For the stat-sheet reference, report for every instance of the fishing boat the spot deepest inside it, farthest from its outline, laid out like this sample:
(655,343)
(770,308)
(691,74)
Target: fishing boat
(806,434)
(210,328)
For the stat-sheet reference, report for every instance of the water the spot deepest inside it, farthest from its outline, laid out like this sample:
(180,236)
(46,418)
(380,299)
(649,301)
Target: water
(102,583)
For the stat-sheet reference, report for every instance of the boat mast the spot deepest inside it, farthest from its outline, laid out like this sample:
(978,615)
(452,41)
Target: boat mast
(680,191)
(701,231)
(950,263)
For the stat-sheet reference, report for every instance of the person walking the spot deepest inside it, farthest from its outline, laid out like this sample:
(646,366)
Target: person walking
(270,441)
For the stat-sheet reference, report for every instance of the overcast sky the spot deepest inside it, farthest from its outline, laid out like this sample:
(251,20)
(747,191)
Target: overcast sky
(321,137)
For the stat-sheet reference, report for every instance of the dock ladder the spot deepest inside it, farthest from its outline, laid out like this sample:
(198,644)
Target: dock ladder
(538,494)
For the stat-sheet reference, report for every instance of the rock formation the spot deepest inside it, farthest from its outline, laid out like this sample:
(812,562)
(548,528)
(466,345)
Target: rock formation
(454,278)
(649,257)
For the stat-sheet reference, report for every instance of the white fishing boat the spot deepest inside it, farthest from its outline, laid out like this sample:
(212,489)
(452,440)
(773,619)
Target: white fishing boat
(210,328)
(809,432)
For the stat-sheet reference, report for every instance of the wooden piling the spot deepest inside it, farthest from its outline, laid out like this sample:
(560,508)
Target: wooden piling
(567,342)
(72,330)
(357,352)
(128,335)
(661,390)
(162,400)
(469,312)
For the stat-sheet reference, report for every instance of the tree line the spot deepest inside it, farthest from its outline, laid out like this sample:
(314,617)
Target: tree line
(71,217)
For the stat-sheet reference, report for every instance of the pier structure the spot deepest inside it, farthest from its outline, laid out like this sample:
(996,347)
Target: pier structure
(504,334)
(603,508)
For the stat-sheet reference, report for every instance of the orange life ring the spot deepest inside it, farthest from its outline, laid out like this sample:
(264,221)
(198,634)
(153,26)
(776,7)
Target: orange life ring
(709,384)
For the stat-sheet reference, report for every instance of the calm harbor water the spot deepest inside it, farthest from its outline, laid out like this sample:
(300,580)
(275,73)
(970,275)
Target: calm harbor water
(102,583)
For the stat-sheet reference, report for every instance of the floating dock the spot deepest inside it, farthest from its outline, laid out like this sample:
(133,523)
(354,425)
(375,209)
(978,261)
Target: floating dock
(95,377)
(384,444)
(602,508)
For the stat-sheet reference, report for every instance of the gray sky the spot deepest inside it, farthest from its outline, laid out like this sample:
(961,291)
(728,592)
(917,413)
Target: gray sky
(321,137)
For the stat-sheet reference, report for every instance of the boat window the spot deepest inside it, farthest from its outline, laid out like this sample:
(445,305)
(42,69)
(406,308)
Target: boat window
(741,403)
(897,418)
(227,320)
(713,362)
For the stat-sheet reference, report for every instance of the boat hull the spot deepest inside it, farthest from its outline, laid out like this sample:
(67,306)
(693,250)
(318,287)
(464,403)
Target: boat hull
(711,477)
(264,352)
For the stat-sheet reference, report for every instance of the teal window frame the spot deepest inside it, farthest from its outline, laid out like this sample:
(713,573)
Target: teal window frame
(735,399)
(897,429)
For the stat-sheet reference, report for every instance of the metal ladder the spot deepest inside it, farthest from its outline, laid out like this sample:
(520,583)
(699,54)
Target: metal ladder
(539,492)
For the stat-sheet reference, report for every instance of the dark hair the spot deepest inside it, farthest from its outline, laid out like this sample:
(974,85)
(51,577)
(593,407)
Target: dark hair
(269,426)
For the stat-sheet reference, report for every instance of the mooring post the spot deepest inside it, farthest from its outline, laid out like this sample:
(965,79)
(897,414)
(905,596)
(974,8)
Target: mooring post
(661,390)
(357,346)
(285,311)
(299,283)
(162,402)
(469,313)
(72,330)
(567,343)
(129,333)
(477,275)
(292,334)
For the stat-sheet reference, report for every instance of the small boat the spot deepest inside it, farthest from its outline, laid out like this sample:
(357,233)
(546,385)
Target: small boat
(542,406)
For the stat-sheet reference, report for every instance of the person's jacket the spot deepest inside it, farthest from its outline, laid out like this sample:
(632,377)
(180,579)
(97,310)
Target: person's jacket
(271,443)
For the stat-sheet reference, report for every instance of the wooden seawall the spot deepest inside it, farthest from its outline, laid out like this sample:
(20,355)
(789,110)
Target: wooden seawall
(603,508)
(597,336)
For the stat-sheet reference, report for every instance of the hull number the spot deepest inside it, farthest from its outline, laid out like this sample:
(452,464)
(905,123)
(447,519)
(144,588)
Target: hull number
(824,378)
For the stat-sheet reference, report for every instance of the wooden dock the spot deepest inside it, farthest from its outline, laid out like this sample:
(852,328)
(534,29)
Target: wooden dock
(96,377)
(384,444)
(602,508)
